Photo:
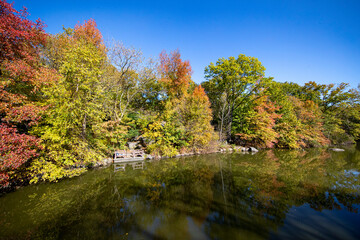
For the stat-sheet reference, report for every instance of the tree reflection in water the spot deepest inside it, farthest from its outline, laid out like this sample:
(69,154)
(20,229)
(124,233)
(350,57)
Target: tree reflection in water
(219,196)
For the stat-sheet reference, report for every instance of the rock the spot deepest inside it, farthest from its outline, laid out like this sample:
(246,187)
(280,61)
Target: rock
(252,149)
(106,161)
(337,149)
(132,145)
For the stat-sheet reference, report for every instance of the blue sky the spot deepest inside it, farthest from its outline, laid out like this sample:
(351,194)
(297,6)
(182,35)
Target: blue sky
(296,40)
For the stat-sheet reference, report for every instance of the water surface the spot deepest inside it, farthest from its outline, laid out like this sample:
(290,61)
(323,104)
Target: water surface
(312,194)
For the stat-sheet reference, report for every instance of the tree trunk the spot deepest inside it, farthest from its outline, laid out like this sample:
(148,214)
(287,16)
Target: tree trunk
(221,128)
(83,133)
(228,132)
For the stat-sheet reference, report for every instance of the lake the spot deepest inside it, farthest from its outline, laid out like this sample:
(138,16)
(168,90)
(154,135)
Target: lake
(273,194)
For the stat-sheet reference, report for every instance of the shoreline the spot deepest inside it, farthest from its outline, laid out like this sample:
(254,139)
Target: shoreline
(107,162)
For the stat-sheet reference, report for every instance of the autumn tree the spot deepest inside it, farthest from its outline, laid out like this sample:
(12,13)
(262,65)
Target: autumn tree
(165,133)
(131,90)
(185,121)
(68,131)
(310,129)
(233,80)
(22,76)
(175,74)
(338,105)
(258,126)
(196,116)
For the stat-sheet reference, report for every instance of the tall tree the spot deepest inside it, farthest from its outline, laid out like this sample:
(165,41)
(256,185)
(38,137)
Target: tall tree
(196,116)
(175,74)
(185,121)
(235,80)
(21,77)
(128,77)
(131,91)
(68,130)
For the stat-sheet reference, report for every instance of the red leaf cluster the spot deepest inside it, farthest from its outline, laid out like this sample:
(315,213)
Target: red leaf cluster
(15,148)
(4,179)
(21,76)
(18,35)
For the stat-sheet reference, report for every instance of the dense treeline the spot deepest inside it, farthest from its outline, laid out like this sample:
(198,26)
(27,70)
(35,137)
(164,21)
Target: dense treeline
(68,100)
(250,108)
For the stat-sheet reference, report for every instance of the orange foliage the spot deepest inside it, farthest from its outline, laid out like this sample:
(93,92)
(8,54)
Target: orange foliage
(200,96)
(267,116)
(175,73)
(197,116)
(89,32)
(310,131)
(262,123)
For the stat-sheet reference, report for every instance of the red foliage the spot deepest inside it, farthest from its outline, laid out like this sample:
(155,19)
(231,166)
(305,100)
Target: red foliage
(268,109)
(21,77)
(4,179)
(15,148)
(29,114)
(18,34)
(176,74)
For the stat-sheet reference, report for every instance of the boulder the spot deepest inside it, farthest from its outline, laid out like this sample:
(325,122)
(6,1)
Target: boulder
(252,149)
(107,161)
(132,145)
(337,149)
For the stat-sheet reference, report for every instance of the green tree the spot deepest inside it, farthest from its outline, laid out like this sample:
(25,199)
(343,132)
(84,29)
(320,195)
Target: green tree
(234,80)
(339,109)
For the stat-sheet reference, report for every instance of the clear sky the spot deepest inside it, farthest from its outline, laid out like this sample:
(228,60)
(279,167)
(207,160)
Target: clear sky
(296,40)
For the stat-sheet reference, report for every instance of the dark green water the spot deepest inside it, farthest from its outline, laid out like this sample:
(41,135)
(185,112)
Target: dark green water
(312,194)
